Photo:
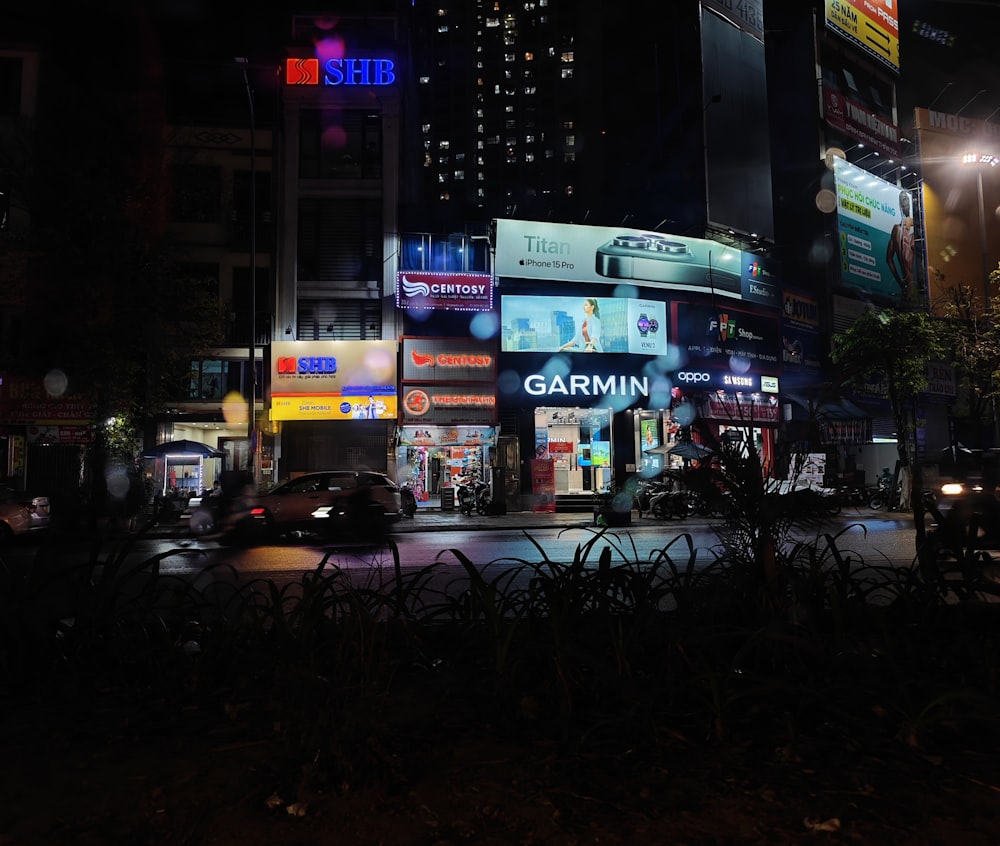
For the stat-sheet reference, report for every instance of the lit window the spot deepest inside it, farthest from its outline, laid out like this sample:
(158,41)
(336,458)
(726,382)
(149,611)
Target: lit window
(550,154)
(529,157)
(444,145)
(567,56)
(529,56)
(440,13)
(511,142)
(443,160)
(566,73)
(510,124)
(567,124)
(480,192)
(529,89)
(492,22)
(479,128)
(508,57)
(529,139)
(442,177)
(459,174)
(569,190)
(509,109)
(443,28)
(569,157)
(480,176)
(425,128)
(480,144)
(444,195)
(479,114)
(424,80)
(570,140)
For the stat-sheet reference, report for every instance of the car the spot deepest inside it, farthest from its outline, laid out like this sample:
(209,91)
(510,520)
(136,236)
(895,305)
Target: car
(22,513)
(334,503)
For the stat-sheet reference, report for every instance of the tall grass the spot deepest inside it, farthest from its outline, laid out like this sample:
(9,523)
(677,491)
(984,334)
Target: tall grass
(785,633)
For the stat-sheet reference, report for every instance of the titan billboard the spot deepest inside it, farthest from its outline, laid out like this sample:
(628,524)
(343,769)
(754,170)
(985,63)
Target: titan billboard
(566,253)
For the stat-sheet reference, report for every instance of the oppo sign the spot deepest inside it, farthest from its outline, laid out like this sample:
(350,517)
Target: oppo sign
(693,377)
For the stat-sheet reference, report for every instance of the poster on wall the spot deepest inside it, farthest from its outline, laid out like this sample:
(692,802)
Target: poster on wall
(600,453)
(543,485)
(876,233)
(583,324)
(649,433)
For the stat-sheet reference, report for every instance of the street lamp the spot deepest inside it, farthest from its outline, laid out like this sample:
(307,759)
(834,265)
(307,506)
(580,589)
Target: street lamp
(981,161)
(252,375)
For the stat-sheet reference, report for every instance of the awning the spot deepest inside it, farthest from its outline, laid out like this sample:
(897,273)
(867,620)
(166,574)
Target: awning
(841,408)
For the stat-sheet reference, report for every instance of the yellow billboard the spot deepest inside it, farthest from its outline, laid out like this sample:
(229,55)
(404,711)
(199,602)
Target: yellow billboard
(333,380)
(871,24)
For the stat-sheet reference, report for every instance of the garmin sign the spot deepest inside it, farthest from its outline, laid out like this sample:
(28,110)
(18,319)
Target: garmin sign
(575,380)
(581,385)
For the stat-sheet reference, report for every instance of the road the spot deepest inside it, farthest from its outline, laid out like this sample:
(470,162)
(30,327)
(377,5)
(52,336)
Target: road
(882,540)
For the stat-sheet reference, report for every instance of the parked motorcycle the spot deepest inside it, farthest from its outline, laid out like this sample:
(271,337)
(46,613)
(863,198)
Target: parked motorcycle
(884,497)
(473,495)
(407,501)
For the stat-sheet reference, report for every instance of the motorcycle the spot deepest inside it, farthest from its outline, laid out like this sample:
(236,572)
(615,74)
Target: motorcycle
(465,496)
(473,495)
(884,497)
(407,501)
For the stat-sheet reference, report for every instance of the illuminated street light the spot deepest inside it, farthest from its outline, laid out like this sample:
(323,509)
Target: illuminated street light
(980,161)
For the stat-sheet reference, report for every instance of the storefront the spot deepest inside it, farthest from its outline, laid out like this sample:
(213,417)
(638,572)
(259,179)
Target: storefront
(333,404)
(447,416)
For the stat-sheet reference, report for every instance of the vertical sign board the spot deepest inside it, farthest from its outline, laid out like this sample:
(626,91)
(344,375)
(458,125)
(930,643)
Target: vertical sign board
(871,24)
(868,210)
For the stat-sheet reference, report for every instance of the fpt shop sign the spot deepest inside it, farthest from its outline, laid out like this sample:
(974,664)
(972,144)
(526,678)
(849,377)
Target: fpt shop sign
(417,289)
(341,72)
(333,380)
(723,338)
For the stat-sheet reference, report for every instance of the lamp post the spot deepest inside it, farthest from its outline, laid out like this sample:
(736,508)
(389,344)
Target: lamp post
(252,360)
(981,161)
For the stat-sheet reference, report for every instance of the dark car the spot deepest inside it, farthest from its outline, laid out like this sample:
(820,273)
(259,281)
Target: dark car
(333,503)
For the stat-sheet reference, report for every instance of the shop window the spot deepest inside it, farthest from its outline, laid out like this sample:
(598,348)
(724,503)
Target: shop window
(340,240)
(339,320)
(196,195)
(340,144)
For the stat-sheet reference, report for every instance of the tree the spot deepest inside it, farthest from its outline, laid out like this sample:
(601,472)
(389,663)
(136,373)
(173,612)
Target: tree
(104,301)
(895,345)
(973,337)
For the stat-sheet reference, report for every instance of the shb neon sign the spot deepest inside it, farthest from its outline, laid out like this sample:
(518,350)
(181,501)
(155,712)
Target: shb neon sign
(340,72)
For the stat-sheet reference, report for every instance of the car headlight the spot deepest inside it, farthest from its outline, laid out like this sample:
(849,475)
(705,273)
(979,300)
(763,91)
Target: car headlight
(952,488)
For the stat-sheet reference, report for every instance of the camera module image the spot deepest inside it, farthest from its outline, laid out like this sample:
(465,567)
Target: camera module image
(669,259)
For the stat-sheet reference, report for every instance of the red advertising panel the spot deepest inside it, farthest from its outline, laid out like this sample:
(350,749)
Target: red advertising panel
(450,360)
(447,405)
(543,485)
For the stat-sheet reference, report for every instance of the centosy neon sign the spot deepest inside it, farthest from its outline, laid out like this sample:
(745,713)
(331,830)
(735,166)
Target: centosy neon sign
(340,72)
